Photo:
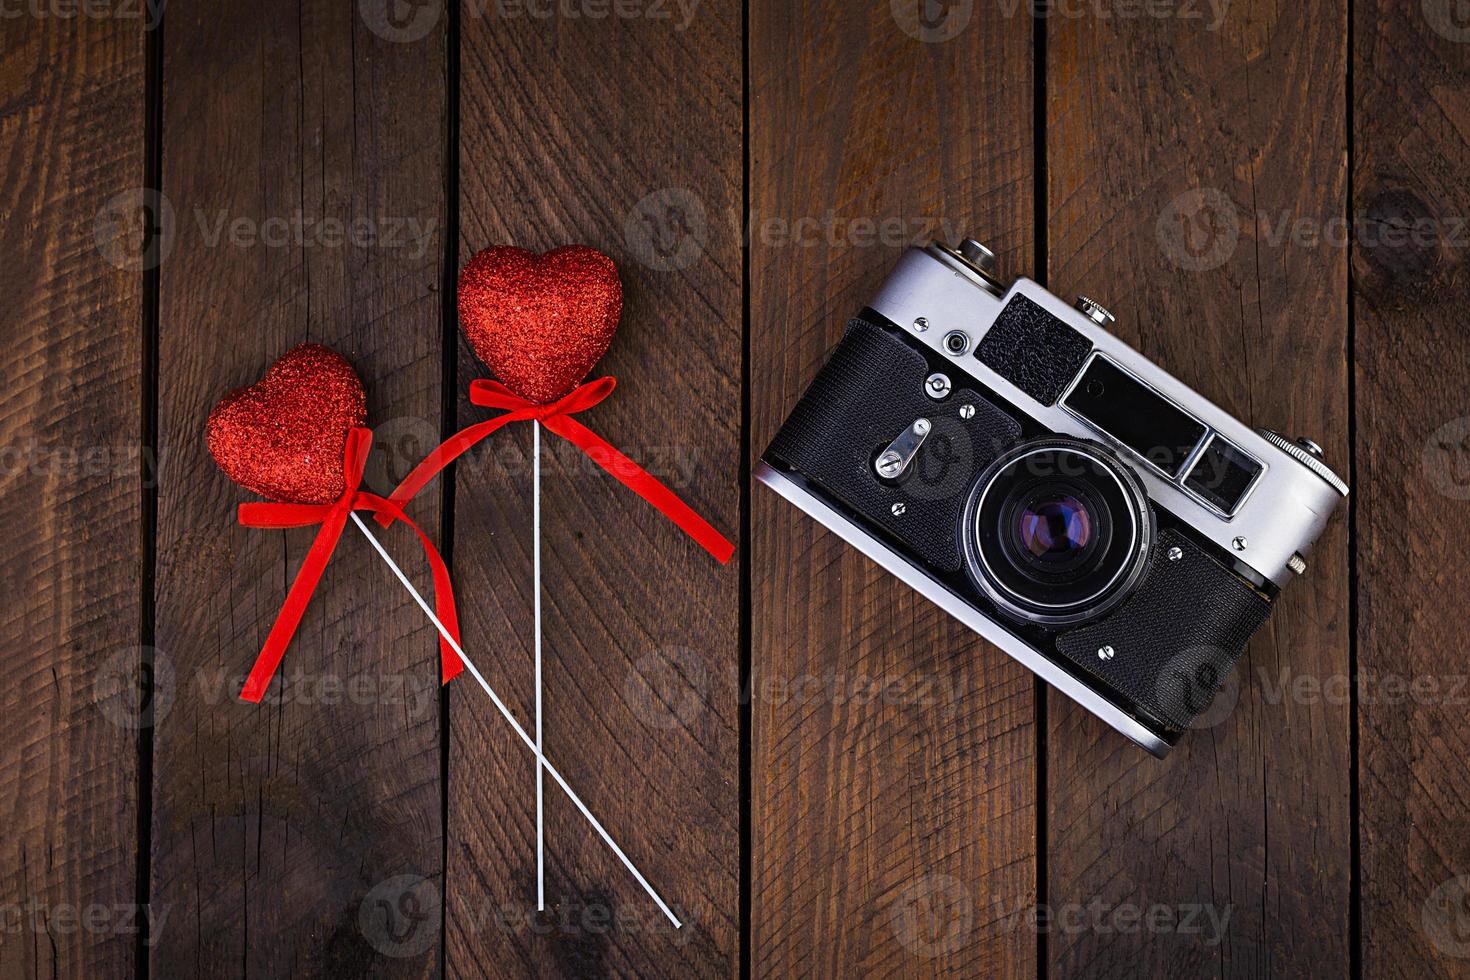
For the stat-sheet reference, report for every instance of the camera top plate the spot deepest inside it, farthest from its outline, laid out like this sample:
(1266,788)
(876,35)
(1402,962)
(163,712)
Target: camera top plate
(1286,505)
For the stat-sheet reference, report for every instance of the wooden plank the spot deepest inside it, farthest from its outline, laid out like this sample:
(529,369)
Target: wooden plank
(1411,93)
(303,156)
(1181,158)
(893,835)
(621,132)
(71,465)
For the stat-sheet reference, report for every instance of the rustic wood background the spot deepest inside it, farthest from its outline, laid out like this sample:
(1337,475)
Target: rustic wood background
(825,776)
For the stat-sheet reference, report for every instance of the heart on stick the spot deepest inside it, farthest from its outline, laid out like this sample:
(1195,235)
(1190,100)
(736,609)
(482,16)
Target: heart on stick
(540,322)
(284,436)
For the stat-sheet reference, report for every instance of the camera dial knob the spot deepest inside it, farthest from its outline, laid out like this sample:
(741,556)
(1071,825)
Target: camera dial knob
(1307,453)
(977,255)
(1095,311)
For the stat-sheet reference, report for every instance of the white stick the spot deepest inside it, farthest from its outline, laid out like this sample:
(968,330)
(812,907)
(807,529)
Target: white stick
(536,563)
(505,713)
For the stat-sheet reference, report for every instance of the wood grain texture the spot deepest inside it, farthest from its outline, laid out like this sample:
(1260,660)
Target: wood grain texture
(623,133)
(1180,160)
(1411,196)
(71,477)
(303,156)
(894,835)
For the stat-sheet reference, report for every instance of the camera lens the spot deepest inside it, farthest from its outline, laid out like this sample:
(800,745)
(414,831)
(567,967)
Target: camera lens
(1056,531)
(1055,527)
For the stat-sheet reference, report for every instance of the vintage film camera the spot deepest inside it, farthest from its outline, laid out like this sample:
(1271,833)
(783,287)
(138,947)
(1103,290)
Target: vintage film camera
(1051,488)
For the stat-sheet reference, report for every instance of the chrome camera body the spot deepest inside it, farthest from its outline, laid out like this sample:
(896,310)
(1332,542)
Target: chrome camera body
(1002,453)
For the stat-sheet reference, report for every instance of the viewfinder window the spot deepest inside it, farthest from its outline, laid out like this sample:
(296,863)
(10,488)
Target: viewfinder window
(1135,415)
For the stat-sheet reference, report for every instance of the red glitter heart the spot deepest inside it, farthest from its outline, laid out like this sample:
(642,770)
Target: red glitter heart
(283,437)
(540,322)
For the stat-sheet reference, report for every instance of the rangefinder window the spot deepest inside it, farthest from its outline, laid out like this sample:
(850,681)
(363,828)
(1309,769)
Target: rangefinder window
(1222,475)
(1134,414)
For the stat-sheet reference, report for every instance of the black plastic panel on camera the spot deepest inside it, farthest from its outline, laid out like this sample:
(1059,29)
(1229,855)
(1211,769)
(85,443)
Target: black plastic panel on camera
(1174,642)
(1033,350)
(871,389)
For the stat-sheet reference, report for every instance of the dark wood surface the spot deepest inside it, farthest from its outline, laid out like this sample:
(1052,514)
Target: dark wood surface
(1411,356)
(754,169)
(76,693)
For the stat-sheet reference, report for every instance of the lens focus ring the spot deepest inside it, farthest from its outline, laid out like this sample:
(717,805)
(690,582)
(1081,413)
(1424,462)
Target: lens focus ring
(1056,531)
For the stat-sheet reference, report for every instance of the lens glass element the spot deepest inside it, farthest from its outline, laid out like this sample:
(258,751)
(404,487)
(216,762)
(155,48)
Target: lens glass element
(1057,524)
(1057,530)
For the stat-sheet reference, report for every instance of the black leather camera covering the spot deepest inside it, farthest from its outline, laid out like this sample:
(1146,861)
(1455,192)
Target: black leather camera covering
(1033,350)
(871,389)
(1177,638)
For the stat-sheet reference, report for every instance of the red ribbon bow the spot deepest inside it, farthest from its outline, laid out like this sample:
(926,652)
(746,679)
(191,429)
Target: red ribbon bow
(556,416)
(333,519)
